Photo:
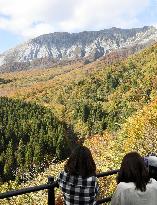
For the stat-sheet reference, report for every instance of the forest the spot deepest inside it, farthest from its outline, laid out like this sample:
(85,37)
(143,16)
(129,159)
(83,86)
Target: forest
(31,137)
(112,108)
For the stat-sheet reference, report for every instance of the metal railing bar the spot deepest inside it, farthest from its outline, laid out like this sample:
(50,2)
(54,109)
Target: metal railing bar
(107,199)
(51,192)
(50,186)
(27,190)
(108,173)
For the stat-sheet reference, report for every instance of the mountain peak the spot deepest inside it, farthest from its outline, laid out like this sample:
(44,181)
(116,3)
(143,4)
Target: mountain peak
(91,45)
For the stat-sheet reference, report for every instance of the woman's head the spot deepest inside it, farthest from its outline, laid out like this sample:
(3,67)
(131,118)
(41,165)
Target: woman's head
(81,162)
(134,170)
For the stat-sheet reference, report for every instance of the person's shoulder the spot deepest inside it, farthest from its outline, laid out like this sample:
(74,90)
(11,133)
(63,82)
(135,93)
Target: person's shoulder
(124,185)
(91,178)
(153,183)
(62,175)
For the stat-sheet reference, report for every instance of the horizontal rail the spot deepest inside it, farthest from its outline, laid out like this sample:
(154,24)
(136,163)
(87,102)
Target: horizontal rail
(27,190)
(108,173)
(52,186)
(106,199)
(105,174)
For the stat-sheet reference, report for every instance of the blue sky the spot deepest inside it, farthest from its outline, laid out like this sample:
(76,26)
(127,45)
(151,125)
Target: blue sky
(8,40)
(21,20)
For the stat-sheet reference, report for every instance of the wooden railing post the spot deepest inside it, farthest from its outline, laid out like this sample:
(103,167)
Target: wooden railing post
(51,192)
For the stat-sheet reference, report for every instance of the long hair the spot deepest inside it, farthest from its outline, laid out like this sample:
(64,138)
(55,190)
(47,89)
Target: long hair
(81,163)
(134,170)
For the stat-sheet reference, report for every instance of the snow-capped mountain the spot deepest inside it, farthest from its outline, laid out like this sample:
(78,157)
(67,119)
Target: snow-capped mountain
(63,46)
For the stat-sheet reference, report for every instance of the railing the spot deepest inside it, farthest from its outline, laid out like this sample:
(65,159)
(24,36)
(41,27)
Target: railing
(50,186)
(105,174)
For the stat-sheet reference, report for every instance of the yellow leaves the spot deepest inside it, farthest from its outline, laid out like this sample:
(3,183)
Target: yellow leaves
(103,152)
(140,131)
(59,87)
(36,198)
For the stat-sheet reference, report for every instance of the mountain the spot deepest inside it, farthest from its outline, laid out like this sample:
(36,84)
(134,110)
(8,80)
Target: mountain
(118,103)
(61,47)
(90,97)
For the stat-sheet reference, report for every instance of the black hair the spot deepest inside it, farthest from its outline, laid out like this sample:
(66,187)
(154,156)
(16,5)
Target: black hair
(81,163)
(134,170)
(153,172)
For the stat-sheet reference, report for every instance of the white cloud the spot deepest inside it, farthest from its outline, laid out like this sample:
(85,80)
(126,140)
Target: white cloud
(30,18)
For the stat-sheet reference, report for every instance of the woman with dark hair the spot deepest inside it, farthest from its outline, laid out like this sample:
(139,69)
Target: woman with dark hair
(151,164)
(78,180)
(135,187)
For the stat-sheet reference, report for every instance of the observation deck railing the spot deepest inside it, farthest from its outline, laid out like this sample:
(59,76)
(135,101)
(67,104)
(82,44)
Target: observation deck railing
(50,186)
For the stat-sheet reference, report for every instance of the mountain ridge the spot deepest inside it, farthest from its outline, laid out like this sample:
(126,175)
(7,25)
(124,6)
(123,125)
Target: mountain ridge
(64,46)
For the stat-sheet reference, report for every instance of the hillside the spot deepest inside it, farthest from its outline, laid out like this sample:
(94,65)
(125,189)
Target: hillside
(139,133)
(92,97)
(31,137)
(60,47)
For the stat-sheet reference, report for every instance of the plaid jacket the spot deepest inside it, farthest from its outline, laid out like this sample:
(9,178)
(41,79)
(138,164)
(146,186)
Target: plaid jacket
(78,190)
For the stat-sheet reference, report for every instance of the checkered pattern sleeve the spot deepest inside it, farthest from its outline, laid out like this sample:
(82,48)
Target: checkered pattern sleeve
(78,190)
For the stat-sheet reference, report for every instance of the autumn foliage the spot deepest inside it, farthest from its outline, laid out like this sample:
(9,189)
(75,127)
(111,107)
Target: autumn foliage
(113,108)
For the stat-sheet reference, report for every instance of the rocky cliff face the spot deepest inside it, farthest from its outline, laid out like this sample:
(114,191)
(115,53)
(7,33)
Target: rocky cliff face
(62,46)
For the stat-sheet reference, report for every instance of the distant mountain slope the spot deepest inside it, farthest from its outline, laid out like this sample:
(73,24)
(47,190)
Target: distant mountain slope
(49,49)
(89,97)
